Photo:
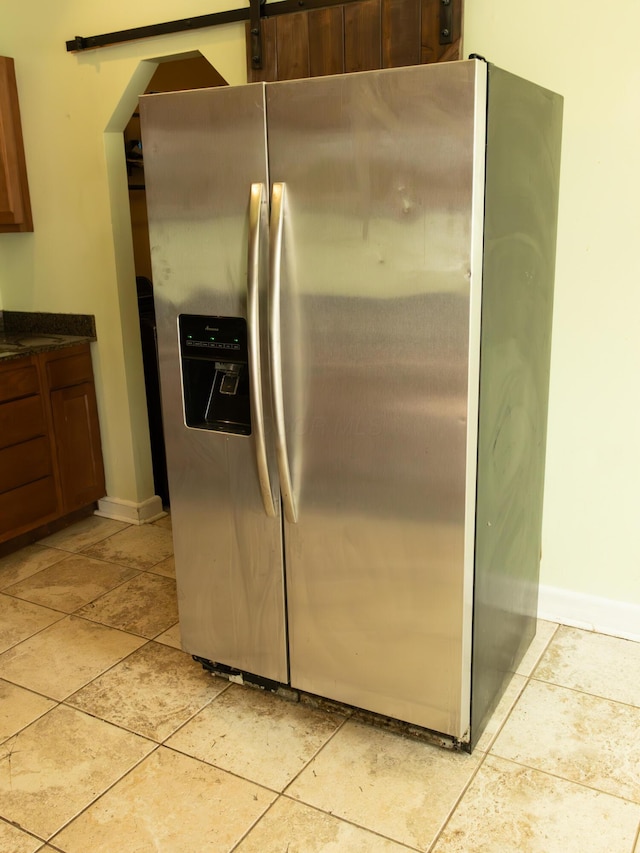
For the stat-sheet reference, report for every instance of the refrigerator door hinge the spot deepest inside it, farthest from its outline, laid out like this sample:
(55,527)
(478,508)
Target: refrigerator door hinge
(446,22)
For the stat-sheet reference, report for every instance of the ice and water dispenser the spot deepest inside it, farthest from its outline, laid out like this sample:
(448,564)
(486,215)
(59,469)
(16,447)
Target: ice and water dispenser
(215,373)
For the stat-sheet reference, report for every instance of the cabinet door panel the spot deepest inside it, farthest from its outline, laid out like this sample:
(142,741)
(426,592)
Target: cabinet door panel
(75,420)
(15,207)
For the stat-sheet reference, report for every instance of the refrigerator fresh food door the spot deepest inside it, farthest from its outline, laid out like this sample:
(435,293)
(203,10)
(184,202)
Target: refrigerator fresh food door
(379,177)
(206,170)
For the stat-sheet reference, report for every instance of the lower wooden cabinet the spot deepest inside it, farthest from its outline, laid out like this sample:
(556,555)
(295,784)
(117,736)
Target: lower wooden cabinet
(75,425)
(50,453)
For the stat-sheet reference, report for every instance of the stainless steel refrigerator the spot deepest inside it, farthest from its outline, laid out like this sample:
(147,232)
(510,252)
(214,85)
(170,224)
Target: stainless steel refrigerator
(353,279)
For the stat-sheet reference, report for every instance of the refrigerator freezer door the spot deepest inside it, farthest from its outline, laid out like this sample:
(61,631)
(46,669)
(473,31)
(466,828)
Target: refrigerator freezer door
(379,170)
(203,151)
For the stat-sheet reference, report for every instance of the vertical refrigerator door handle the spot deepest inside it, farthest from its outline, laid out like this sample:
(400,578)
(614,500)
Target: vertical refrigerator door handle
(253,317)
(275,355)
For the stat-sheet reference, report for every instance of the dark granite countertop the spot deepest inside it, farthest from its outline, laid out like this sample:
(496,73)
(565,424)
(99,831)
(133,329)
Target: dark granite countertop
(23,333)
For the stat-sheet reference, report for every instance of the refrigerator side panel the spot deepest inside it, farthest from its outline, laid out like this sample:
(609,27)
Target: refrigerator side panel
(524,125)
(202,151)
(379,185)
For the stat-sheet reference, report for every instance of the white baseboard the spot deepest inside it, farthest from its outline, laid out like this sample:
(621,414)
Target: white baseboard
(604,615)
(131,512)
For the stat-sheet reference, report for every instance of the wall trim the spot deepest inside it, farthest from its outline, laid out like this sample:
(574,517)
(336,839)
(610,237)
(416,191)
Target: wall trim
(130,511)
(591,612)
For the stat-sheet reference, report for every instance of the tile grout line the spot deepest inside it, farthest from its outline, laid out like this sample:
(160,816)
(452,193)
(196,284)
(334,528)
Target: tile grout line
(65,699)
(186,722)
(82,551)
(635,844)
(33,574)
(63,616)
(217,767)
(293,799)
(51,838)
(117,663)
(67,612)
(507,716)
(21,828)
(47,840)
(93,678)
(66,702)
(320,749)
(276,791)
(35,719)
(116,563)
(543,651)
(40,544)
(254,824)
(92,600)
(108,592)
(486,752)
(77,615)
(527,679)
(456,803)
(283,796)
(584,693)
(350,822)
(586,787)
(69,551)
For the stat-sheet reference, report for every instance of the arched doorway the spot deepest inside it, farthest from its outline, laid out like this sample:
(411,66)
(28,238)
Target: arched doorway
(174,74)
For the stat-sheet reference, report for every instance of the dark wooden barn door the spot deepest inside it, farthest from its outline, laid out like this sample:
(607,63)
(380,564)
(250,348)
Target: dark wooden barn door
(356,36)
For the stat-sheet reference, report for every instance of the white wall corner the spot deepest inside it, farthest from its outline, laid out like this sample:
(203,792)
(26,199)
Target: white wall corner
(591,612)
(131,512)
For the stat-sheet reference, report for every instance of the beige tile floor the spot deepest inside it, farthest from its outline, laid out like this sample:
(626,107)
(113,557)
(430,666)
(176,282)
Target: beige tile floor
(112,739)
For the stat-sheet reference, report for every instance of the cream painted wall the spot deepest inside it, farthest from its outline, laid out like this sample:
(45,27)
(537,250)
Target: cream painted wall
(70,102)
(79,258)
(591,533)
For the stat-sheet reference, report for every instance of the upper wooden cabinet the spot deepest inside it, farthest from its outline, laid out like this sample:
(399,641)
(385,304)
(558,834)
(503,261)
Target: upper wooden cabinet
(15,207)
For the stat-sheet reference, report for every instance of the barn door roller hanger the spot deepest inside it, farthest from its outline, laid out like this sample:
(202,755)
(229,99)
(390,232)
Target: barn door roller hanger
(446,22)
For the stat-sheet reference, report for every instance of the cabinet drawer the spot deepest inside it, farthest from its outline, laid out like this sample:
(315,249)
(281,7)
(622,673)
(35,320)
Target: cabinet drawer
(27,505)
(21,420)
(24,463)
(71,370)
(20,382)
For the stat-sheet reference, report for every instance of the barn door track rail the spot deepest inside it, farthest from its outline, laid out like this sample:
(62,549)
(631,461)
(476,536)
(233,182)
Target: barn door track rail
(254,13)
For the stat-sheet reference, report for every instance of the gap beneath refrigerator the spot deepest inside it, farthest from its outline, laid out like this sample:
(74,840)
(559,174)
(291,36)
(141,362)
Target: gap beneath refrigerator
(290,694)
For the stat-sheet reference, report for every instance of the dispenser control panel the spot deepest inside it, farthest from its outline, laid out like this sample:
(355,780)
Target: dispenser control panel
(205,335)
(215,373)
